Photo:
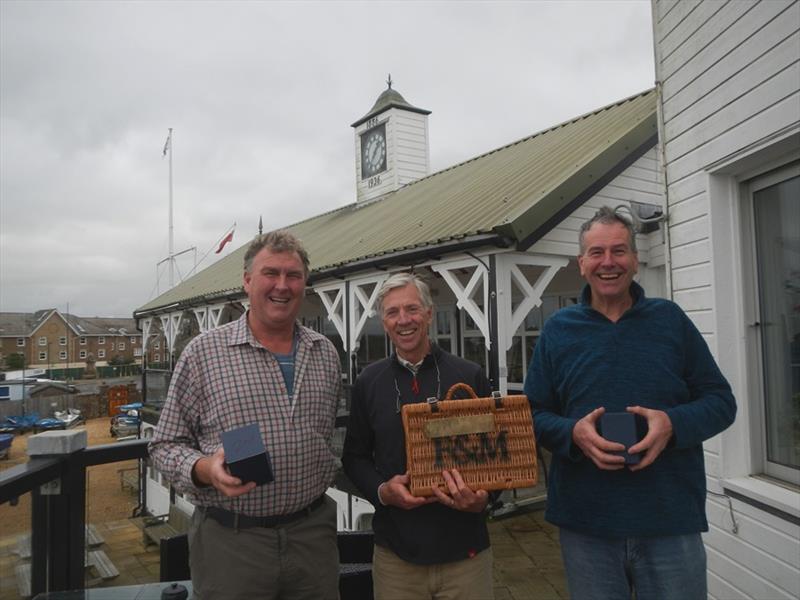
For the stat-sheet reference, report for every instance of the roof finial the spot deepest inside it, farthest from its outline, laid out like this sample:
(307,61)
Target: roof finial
(260,227)
(389,81)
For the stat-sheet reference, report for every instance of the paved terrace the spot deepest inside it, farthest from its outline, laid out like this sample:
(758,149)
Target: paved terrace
(526,552)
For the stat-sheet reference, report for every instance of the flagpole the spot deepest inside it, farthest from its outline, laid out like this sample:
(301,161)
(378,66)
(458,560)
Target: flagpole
(171,234)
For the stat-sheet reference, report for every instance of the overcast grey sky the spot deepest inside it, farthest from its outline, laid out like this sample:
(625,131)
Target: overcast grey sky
(261,96)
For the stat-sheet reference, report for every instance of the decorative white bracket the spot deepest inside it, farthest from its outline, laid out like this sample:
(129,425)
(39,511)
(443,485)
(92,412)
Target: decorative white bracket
(201,314)
(464,294)
(215,314)
(332,296)
(361,305)
(509,275)
(208,317)
(169,325)
(147,324)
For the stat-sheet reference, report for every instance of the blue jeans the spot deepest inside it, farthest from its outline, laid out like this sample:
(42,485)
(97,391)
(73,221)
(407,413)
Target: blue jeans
(653,568)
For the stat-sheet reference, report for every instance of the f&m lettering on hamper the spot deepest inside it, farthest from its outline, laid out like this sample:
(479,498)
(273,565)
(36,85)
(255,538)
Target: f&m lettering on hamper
(489,440)
(471,449)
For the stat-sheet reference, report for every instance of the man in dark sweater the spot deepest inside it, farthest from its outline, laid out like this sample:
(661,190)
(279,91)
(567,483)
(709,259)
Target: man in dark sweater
(626,528)
(425,548)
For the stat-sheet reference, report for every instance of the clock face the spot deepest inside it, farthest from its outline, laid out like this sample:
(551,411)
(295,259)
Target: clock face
(373,151)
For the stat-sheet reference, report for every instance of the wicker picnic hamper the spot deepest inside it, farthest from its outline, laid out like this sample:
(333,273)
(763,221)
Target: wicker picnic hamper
(489,440)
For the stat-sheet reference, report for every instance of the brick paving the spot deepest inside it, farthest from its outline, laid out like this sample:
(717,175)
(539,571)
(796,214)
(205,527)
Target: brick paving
(526,556)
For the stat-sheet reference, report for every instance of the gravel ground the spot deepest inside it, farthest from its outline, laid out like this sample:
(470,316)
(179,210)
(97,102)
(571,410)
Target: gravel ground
(106,500)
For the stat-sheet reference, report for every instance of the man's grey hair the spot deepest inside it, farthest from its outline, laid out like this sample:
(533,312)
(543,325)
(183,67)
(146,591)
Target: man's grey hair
(401,280)
(276,241)
(607,216)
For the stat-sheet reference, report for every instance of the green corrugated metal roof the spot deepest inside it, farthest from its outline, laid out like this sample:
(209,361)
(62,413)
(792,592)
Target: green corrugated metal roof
(511,192)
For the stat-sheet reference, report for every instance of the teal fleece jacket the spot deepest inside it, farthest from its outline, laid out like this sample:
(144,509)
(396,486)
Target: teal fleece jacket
(653,357)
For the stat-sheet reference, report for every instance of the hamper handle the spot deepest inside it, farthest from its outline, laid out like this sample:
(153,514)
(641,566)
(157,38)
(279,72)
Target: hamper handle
(460,386)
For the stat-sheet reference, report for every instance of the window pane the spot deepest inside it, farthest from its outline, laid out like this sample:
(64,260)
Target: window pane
(533,320)
(329,330)
(531,346)
(475,350)
(550,304)
(372,344)
(777,222)
(443,322)
(514,360)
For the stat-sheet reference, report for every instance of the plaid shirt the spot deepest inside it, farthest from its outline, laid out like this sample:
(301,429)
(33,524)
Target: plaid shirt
(226,379)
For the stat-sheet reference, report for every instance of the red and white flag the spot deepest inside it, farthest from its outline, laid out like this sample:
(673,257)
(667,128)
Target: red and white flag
(224,241)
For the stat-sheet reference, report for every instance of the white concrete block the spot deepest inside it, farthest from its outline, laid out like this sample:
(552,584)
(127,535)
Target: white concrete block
(49,443)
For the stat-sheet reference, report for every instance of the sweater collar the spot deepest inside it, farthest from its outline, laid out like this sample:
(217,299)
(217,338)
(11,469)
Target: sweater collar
(426,363)
(636,291)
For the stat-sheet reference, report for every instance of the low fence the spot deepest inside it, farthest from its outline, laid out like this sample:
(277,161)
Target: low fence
(105,372)
(91,404)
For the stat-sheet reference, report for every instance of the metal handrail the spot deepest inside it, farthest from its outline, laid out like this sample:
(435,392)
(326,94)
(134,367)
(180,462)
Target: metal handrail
(58,540)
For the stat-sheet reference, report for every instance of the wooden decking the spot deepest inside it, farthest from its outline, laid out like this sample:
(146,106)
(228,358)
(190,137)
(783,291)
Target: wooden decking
(526,552)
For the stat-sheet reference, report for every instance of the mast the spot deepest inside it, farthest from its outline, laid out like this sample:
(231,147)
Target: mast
(168,146)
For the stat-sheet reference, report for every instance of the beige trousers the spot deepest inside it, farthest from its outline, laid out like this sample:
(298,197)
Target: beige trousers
(299,561)
(395,579)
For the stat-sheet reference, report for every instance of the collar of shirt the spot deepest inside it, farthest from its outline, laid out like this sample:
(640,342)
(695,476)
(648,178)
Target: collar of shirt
(241,334)
(414,367)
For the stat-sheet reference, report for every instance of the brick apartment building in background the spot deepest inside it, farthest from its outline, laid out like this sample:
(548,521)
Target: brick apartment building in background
(50,339)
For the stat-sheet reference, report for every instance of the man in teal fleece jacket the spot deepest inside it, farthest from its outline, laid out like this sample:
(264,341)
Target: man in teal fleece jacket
(626,530)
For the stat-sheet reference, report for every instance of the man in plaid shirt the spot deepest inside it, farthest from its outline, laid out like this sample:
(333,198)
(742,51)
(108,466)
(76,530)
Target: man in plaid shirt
(278,540)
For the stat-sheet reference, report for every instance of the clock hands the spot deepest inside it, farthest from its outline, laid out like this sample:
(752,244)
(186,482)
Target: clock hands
(373,153)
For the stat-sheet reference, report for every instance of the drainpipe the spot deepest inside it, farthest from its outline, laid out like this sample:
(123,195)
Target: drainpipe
(662,154)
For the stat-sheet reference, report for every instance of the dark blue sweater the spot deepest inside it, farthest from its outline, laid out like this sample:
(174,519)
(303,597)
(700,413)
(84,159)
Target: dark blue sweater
(374,452)
(652,357)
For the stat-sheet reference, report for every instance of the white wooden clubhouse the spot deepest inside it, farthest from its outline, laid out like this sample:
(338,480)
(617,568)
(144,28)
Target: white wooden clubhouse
(495,236)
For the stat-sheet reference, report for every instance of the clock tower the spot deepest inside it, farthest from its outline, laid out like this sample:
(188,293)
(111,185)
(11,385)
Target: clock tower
(391,145)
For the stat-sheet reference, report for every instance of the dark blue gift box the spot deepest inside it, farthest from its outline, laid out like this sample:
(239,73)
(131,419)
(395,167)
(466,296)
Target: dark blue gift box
(246,456)
(625,428)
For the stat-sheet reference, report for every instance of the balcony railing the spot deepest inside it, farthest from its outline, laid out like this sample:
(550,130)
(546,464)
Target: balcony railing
(57,485)
(58,507)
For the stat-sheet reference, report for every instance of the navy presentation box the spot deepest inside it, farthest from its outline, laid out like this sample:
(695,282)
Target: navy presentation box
(246,456)
(625,428)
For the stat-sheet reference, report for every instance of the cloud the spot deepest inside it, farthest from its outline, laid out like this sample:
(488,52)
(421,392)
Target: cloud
(261,96)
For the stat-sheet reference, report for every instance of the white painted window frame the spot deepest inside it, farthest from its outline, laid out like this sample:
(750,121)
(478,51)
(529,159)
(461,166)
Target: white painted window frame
(739,468)
(753,315)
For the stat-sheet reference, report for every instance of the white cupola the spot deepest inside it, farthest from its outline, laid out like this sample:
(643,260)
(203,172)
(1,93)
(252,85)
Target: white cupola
(391,145)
